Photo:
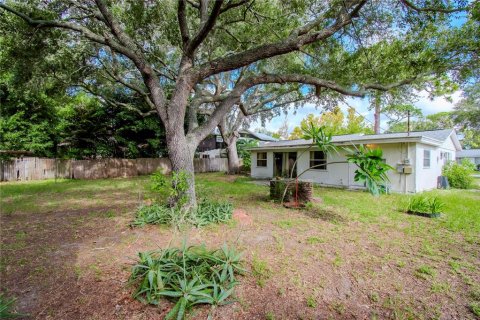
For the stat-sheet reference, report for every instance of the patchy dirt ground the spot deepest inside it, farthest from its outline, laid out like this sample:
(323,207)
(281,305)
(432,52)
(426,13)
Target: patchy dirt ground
(330,262)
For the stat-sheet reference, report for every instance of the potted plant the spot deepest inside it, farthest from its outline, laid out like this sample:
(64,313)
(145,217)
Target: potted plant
(424,206)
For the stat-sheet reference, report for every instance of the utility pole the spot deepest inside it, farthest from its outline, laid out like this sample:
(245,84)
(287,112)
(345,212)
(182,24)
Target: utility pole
(408,122)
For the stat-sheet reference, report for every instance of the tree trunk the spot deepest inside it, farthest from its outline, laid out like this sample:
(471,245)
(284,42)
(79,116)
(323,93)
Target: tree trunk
(233,161)
(377,114)
(181,153)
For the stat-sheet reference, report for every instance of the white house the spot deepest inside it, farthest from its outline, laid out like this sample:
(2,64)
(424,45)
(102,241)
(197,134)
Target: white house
(418,158)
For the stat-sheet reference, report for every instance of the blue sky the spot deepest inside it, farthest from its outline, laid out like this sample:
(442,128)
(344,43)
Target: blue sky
(361,105)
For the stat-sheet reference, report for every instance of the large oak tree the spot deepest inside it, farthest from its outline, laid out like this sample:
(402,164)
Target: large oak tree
(164,50)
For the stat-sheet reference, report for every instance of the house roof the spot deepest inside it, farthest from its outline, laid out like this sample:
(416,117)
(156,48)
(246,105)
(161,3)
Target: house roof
(471,153)
(433,137)
(260,136)
(256,135)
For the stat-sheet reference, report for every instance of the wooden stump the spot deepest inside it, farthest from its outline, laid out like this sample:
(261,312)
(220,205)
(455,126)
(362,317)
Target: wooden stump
(304,191)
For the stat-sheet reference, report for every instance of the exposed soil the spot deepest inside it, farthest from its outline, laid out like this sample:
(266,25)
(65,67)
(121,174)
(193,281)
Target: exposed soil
(75,264)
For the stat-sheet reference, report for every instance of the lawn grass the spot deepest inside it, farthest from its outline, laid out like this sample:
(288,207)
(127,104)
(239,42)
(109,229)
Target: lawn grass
(346,251)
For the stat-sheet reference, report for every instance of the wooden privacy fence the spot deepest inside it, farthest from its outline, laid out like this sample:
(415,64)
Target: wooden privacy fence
(41,168)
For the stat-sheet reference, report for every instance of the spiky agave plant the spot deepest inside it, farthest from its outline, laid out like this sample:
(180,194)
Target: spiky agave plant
(188,276)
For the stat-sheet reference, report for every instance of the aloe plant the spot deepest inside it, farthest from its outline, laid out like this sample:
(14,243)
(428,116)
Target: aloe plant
(206,213)
(189,276)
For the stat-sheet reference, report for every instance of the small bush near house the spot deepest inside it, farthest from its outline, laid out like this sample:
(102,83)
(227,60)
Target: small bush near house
(242,148)
(188,276)
(467,163)
(458,175)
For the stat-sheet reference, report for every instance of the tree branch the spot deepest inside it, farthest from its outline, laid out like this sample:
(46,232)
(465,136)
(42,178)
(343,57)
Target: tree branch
(411,5)
(115,103)
(232,5)
(234,96)
(294,42)
(182,23)
(205,29)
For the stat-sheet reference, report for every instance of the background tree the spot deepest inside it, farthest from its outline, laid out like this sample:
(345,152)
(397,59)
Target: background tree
(333,122)
(440,120)
(166,49)
(467,116)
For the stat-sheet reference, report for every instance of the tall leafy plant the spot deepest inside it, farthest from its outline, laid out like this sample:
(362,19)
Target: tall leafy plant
(242,148)
(372,170)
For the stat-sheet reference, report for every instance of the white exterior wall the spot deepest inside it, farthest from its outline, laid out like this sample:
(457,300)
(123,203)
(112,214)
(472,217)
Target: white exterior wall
(262,172)
(427,177)
(342,174)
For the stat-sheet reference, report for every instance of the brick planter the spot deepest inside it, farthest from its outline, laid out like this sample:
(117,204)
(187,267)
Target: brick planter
(277,188)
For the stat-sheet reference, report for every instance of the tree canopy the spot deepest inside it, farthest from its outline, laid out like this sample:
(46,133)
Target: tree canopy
(334,122)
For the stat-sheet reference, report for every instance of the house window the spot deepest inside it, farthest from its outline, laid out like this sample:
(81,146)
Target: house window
(261,159)
(318,160)
(448,157)
(426,158)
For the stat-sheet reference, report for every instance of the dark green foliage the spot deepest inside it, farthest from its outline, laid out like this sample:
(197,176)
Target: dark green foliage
(372,169)
(188,276)
(243,152)
(6,306)
(89,129)
(207,212)
(424,204)
(458,175)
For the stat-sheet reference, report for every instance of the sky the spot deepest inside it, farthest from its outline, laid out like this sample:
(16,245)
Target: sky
(427,106)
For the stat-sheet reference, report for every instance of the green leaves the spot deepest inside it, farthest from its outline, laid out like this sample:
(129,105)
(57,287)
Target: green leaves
(189,276)
(372,169)
(319,136)
(458,175)
(424,204)
(6,306)
(207,212)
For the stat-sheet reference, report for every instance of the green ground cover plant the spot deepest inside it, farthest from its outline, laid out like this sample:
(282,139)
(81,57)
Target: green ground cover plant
(188,276)
(207,212)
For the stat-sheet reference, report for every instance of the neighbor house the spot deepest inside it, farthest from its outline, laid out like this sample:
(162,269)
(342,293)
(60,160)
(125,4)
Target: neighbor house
(471,154)
(417,159)
(214,147)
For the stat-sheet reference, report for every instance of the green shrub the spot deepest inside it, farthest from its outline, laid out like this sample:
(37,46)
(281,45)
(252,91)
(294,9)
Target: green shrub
(206,213)
(189,276)
(424,204)
(242,148)
(458,175)
(467,163)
